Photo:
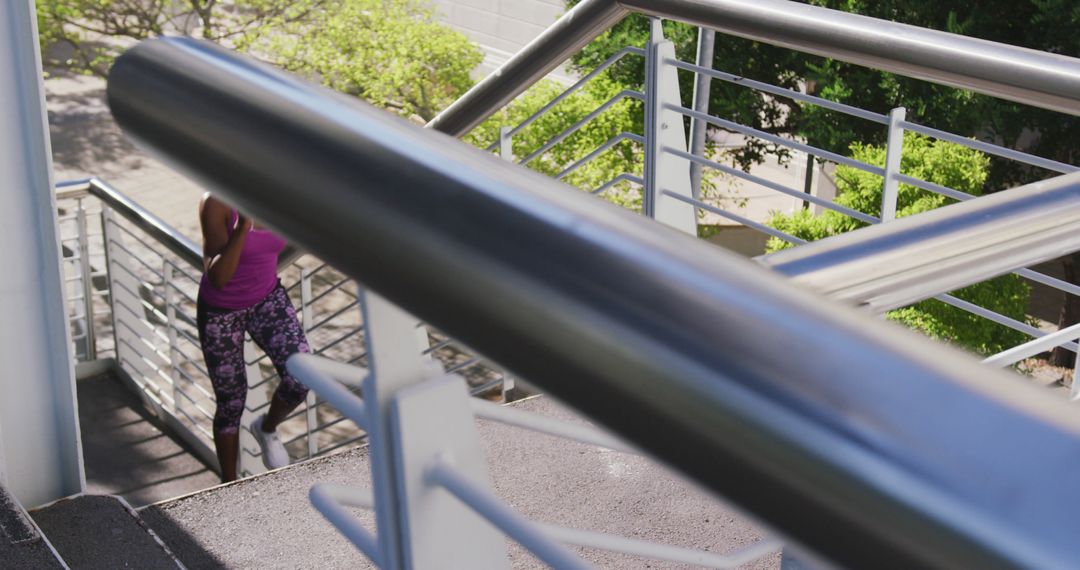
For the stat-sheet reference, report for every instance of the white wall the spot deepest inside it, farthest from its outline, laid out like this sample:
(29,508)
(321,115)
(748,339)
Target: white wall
(501,27)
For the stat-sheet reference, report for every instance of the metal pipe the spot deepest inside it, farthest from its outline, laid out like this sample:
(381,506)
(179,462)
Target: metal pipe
(1023,75)
(892,265)
(702,95)
(870,443)
(573,31)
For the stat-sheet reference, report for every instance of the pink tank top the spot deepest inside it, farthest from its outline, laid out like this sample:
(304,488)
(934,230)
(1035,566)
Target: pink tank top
(256,272)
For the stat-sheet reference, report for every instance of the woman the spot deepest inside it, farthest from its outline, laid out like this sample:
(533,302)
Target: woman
(240,292)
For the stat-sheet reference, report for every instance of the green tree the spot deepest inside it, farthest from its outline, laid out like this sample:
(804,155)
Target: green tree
(403,59)
(390,52)
(942,163)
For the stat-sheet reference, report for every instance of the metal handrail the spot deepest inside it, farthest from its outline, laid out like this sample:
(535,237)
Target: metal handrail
(1023,75)
(870,444)
(914,258)
(147,221)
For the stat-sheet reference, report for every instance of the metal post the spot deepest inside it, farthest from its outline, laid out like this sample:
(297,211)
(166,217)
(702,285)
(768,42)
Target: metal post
(42,458)
(702,96)
(1074,394)
(808,179)
(168,281)
(893,155)
(311,415)
(394,365)
(506,143)
(87,279)
(665,172)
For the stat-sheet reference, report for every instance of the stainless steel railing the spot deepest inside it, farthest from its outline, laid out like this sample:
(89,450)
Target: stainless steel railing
(871,445)
(987,259)
(1026,76)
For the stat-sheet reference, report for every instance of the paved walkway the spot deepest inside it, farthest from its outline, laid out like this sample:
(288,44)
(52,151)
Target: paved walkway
(86,142)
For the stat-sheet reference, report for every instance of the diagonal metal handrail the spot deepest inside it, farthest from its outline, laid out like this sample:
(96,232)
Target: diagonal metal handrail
(907,260)
(1023,75)
(870,444)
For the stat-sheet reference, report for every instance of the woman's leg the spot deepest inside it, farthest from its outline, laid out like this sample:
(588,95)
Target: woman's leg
(222,338)
(274,327)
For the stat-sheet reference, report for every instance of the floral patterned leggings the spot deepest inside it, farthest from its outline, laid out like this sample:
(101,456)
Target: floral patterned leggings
(273,326)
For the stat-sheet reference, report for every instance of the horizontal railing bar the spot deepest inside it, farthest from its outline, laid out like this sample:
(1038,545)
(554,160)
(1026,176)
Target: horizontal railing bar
(774,186)
(913,258)
(147,221)
(334,315)
(571,90)
(1031,348)
(999,319)
(332,448)
(781,91)
(648,332)
(1063,286)
(601,149)
(571,32)
(618,97)
(620,178)
(327,498)
(989,148)
(332,288)
(735,217)
(935,188)
(350,334)
(758,133)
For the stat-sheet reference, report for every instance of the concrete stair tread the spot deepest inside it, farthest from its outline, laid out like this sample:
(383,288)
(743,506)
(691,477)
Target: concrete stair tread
(22,545)
(268,522)
(93,531)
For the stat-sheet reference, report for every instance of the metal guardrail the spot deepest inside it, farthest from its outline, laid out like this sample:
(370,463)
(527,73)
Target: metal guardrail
(1018,74)
(865,442)
(124,260)
(895,264)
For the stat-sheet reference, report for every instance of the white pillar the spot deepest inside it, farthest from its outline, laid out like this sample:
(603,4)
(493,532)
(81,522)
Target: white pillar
(42,455)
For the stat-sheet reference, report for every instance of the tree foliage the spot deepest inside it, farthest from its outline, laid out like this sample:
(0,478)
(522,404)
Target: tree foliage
(942,163)
(390,52)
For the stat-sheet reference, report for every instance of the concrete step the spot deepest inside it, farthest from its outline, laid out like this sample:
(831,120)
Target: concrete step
(268,522)
(102,532)
(22,544)
(127,451)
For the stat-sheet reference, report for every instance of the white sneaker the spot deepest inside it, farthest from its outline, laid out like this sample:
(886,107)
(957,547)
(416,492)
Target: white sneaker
(274,455)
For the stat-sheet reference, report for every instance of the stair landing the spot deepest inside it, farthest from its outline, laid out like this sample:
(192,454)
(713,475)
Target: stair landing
(268,522)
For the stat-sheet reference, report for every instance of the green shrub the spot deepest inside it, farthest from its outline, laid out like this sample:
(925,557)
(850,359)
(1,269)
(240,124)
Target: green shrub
(942,163)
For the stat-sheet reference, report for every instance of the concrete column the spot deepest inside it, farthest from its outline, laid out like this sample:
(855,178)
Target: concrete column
(39,426)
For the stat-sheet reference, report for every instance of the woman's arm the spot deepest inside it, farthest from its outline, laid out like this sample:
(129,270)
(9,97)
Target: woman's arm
(221,251)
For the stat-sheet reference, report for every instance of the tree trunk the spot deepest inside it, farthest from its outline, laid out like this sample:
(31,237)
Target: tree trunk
(1070,312)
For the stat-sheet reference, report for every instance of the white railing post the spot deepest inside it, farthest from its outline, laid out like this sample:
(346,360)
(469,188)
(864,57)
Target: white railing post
(506,144)
(702,96)
(307,320)
(87,278)
(418,524)
(40,454)
(893,154)
(665,172)
(168,278)
(1074,392)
